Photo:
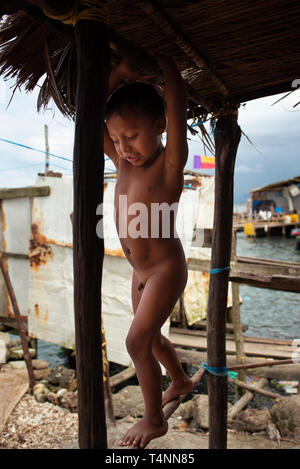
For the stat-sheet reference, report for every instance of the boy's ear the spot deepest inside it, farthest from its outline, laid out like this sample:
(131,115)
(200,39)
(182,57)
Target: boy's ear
(161,125)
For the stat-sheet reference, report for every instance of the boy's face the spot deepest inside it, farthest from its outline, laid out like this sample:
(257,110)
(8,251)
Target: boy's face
(137,139)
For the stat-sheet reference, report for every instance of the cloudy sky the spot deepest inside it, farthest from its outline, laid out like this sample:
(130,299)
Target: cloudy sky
(274,131)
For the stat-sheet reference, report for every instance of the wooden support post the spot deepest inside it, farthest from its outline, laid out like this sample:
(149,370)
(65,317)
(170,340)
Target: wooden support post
(21,328)
(237,328)
(88,249)
(227,136)
(236,317)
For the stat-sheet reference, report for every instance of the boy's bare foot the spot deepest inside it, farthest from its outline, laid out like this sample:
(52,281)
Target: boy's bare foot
(142,432)
(177,389)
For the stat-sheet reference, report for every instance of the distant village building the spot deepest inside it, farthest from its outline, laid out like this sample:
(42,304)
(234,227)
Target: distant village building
(273,209)
(282,197)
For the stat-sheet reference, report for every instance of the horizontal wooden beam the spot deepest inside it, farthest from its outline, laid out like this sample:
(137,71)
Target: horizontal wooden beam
(198,341)
(14,255)
(29,191)
(276,282)
(272,275)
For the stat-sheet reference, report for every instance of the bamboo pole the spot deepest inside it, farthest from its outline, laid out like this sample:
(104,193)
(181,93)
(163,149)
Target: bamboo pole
(245,399)
(47,149)
(260,364)
(92,47)
(171,406)
(227,137)
(122,376)
(22,332)
(252,388)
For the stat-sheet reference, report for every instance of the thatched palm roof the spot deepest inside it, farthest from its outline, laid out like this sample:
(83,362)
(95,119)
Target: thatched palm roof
(227,51)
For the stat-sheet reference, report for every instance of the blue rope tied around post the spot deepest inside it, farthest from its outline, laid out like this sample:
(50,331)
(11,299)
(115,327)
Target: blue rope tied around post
(217,270)
(218,370)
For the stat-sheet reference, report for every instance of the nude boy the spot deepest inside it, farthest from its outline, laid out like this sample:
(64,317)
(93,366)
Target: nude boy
(150,173)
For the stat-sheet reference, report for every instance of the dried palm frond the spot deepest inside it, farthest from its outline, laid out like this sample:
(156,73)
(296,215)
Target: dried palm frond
(29,50)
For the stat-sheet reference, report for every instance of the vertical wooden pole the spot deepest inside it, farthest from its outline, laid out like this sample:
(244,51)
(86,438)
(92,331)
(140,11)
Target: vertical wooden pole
(236,320)
(227,136)
(88,249)
(238,332)
(47,150)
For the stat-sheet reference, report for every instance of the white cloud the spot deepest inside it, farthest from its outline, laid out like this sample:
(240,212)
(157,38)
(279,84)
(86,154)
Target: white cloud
(240,168)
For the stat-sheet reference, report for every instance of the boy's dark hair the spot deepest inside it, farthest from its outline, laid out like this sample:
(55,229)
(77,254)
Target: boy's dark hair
(139,98)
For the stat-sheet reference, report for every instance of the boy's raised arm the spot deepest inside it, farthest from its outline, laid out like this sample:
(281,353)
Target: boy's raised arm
(176,112)
(127,69)
(115,79)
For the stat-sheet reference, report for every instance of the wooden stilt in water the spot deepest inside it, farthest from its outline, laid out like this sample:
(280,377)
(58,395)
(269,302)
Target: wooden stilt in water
(227,136)
(88,249)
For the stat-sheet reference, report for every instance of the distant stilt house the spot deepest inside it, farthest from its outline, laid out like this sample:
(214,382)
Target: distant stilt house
(282,197)
(274,209)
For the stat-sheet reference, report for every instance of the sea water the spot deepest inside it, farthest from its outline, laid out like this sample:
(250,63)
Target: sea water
(269,313)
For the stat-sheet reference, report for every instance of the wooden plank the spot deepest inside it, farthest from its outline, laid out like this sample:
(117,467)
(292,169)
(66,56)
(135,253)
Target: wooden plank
(281,372)
(251,349)
(276,282)
(202,325)
(29,191)
(283,276)
(13,385)
(198,264)
(271,262)
(14,255)
(260,340)
(12,323)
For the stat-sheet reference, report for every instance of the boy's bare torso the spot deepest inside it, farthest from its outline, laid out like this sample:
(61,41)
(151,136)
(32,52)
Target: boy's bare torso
(147,185)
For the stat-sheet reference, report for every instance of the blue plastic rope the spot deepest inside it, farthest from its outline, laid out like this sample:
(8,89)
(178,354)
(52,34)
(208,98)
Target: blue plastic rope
(218,370)
(215,370)
(219,269)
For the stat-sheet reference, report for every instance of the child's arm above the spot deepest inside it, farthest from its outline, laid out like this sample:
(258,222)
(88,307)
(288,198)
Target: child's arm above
(127,68)
(176,113)
(115,79)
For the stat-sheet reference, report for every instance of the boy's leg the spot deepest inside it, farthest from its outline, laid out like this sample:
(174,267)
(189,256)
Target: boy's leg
(181,384)
(152,311)
(165,352)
